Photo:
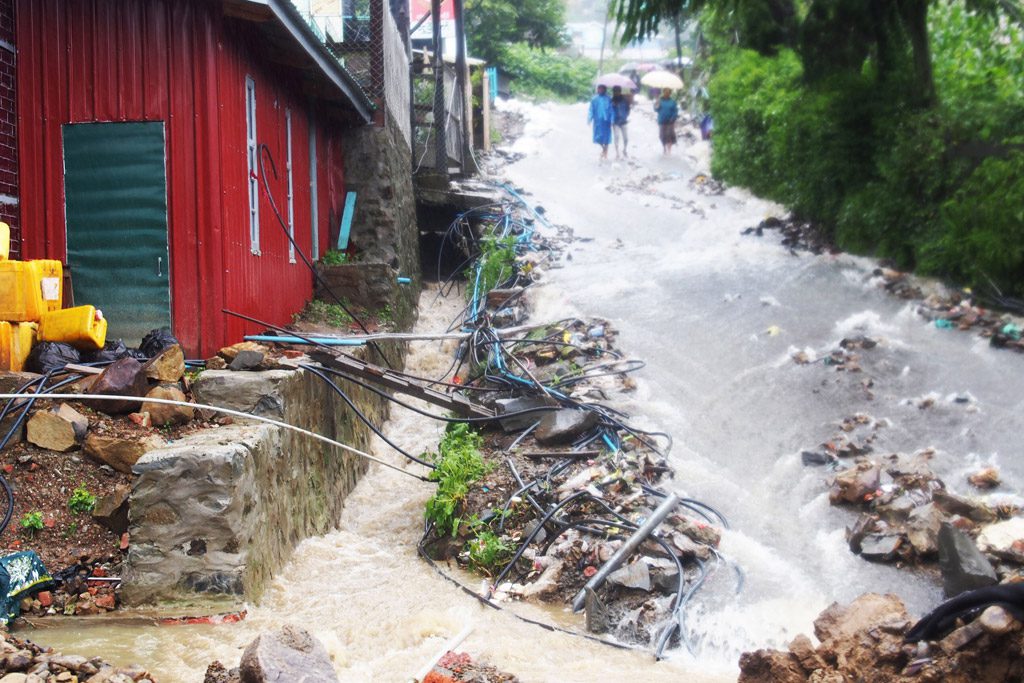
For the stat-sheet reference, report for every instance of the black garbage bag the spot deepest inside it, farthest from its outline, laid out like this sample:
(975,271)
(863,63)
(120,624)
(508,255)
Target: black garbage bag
(156,341)
(46,356)
(111,351)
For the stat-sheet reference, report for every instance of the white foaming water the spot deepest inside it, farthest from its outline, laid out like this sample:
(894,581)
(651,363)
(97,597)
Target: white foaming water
(380,611)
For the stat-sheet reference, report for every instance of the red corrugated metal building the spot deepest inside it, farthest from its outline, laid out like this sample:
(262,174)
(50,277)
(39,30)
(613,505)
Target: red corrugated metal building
(112,93)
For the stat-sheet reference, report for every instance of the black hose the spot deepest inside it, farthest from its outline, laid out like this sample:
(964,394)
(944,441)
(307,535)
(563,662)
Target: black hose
(369,423)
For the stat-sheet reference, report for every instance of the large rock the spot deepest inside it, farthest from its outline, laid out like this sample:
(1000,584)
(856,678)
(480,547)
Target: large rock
(52,430)
(770,666)
(248,392)
(119,452)
(111,510)
(963,566)
(291,654)
(1004,539)
(517,423)
(952,504)
(564,425)
(124,377)
(923,529)
(161,414)
(166,366)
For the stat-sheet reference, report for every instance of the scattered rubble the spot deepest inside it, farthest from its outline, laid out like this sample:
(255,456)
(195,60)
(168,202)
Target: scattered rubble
(25,662)
(873,634)
(566,480)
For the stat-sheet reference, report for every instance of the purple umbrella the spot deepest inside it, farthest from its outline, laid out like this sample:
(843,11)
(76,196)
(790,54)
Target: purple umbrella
(611,80)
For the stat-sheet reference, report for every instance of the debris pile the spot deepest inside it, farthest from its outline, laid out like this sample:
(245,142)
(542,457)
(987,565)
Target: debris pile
(560,500)
(647,187)
(983,642)
(910,516)
(459,666)
(796,234)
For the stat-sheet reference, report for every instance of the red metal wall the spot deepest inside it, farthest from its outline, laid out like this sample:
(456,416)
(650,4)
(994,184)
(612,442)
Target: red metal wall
(8,129)
(183,63)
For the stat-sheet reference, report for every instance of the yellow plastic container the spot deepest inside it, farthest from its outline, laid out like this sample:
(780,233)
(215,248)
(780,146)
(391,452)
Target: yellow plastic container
(84,327)
(5,241)
(16,340)
(30,288)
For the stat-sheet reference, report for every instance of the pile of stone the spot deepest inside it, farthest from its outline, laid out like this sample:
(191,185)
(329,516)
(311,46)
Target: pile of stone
(910,516)
(254,357)
(22,661)
(797,235)
(866,640)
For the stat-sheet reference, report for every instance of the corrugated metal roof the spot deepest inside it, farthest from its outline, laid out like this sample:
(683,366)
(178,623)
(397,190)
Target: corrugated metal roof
(290,25)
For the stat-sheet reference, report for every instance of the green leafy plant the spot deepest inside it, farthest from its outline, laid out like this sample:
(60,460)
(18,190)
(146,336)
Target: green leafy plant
(496,263)
(70,530)
(81,500)
(335,257)
(32,522)
(319,311)
(488,552)
(459,463)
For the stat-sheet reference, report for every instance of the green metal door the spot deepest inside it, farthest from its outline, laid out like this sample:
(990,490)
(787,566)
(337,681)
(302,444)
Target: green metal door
(115,193)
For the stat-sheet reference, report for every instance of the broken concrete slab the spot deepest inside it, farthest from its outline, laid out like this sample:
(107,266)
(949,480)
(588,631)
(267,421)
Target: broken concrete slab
(963,566)
(564,425)
(248,392)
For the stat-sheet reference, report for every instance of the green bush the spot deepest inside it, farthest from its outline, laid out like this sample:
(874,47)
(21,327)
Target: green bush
(458,463)
(931,188)
(982,241)
(547,75)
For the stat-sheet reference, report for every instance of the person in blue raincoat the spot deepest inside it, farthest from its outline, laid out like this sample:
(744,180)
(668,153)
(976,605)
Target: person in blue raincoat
(600,116)
(667,111)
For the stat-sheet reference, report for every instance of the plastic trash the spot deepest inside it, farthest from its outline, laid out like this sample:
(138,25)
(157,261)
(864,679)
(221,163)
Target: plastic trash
(1013,331)
(156,341)
(111,351)
(46,356)
(943,324)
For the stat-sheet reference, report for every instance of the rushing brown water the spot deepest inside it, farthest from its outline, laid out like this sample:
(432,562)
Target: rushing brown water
(380,611)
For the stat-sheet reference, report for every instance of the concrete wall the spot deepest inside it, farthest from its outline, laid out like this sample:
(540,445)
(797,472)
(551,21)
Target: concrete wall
(216,514)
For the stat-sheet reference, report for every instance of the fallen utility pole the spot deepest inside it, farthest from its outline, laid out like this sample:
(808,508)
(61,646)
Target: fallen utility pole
(374,373)
(641,534)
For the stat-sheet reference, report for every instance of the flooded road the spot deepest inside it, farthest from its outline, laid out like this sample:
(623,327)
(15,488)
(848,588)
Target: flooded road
(716,316)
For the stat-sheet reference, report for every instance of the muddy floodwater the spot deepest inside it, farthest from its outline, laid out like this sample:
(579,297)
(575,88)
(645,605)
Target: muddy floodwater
(717,316)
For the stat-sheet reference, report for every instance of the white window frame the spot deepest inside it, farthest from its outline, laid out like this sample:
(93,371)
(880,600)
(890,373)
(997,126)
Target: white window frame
(252,154)
(291,187)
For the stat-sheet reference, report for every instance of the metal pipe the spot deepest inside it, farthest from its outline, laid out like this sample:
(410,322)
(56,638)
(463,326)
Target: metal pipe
(641,534)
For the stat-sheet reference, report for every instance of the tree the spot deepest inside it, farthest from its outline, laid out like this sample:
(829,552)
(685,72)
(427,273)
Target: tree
(492,24)
(834,36)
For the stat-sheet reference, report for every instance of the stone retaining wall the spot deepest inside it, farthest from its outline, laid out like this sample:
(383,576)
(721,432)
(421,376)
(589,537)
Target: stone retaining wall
(216,514)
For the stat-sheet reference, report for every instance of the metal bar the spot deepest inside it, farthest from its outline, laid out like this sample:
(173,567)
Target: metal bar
(355,339)
(641,534)
(346,220)
(576,455)
(416,26)
(440,114)
(461,82)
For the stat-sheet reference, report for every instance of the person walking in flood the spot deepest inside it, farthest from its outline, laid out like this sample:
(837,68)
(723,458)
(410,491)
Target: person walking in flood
(620,119)
(600,116)
(668,113)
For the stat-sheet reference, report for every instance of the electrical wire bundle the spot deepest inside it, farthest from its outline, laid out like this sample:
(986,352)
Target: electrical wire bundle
(591,493)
